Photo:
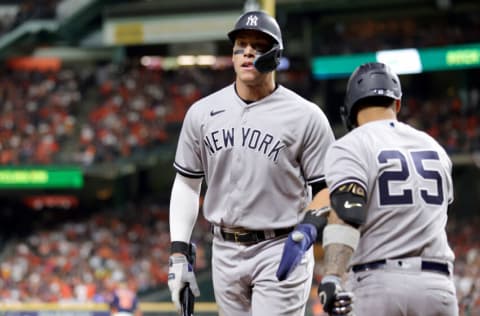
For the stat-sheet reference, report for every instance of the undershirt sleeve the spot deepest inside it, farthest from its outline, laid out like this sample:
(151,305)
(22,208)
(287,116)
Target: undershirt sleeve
(184,207)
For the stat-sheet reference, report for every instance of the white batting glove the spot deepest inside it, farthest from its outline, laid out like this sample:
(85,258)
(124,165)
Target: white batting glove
(180,274)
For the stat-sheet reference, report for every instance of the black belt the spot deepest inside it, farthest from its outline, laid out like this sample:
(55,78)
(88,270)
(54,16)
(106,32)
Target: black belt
(252,236)
(381,264)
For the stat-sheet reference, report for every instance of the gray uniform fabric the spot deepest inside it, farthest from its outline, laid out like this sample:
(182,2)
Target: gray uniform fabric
(245,276)
(407,177)
(258,160)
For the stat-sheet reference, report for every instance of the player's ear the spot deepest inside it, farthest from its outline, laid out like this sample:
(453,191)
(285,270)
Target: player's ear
(398,106)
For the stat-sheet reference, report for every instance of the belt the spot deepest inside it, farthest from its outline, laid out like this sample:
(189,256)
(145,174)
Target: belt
(381,264)
(252,236)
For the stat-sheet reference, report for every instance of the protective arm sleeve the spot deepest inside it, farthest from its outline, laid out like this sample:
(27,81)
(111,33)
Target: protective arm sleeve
(184,207)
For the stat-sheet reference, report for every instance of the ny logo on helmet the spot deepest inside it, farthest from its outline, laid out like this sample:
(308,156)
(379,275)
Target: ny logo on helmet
(252,20)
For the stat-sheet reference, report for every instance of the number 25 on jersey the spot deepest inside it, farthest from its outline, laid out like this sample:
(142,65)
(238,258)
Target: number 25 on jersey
(390,178)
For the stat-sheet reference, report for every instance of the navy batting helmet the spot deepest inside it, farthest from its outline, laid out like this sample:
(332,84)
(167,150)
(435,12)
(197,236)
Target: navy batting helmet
(262,22)
(368,80)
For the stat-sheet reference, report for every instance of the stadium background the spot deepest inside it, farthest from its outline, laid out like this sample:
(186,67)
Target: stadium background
(93,94)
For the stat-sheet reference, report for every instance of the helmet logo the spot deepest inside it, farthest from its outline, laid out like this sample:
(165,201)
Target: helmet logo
(252,20)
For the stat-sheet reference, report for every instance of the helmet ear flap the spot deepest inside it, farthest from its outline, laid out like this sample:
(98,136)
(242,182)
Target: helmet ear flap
(268,61)
(345,118)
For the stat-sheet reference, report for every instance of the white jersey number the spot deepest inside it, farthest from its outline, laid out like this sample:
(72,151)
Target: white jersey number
(403,174)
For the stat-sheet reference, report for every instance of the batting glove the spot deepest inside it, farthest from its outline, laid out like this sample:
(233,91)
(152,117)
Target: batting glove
(298,242)
(335,300)
(180,274)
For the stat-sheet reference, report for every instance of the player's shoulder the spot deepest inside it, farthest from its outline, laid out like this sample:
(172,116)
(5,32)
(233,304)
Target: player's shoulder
(360,138)
(300,104)
(349,140)
(202,106)
(367,135)
(217,96)
(425,137)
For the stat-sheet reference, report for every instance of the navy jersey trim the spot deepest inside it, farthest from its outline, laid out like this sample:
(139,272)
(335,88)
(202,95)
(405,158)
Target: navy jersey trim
(316,180)
(188,173)
(318,186)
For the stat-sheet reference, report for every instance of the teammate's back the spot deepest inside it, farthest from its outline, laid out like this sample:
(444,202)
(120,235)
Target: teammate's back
(390,190)
(393,159)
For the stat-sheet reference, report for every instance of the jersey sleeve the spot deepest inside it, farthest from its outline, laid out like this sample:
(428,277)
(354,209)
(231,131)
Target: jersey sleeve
(188,157)
(318,137)
(344,163)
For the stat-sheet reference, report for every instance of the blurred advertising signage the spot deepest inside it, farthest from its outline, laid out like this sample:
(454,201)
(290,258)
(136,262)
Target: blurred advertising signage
(452,57)
(174,28)
(402,61)
(40,178)
(35,63)
(40,202)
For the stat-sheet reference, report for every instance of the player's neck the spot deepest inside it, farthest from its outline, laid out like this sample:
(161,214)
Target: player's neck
(375,113)
(255,91)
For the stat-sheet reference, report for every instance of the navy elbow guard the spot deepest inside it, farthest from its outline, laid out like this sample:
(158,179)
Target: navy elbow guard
(317,218)
(349,202)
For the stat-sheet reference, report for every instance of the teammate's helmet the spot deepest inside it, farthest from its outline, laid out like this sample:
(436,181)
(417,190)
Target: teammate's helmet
(262,22)
(368,80)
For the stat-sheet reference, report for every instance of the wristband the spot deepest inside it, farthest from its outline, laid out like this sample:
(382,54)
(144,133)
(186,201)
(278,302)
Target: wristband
(179,247)
(341,234)
(331,278)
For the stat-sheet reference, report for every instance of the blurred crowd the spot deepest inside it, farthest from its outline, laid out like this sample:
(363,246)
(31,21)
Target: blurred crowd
(99,113)
(365,34)
(91,114)
(121,111)
(454,121)
(465,242)
(83,260)
(133,107)
(38,113)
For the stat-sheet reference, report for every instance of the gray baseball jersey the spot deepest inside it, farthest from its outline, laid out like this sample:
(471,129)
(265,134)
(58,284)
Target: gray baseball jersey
(256,158)
(407,177)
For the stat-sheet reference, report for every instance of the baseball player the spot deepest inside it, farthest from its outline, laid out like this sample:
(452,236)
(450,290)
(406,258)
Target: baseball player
(390,188)
(260,148)
(124,302)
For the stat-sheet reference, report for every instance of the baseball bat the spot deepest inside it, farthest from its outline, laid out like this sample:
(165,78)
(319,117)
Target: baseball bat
(187,299)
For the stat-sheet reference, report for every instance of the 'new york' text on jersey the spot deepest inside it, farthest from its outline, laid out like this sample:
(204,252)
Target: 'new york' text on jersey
(257,158)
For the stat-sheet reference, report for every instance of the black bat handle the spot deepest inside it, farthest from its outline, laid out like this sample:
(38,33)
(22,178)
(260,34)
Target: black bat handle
(188,301)
(187,298)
